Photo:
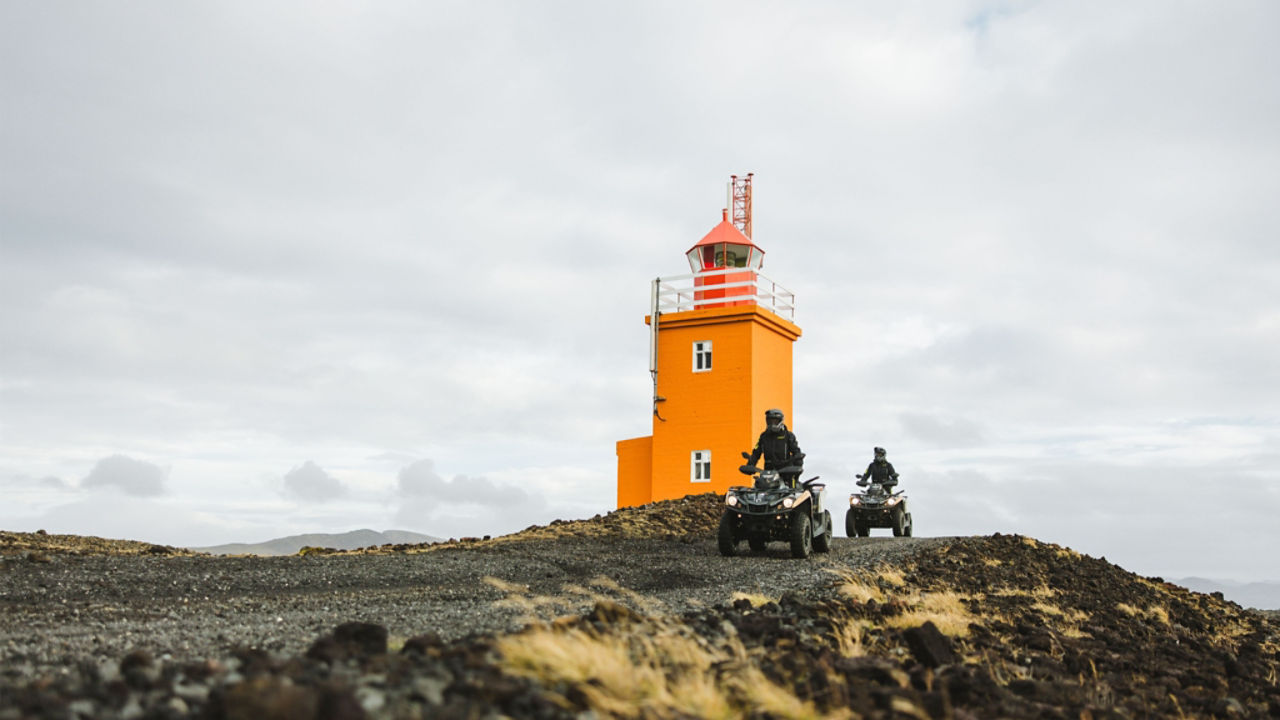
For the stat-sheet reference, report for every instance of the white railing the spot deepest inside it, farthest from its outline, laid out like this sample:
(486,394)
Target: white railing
(679,293)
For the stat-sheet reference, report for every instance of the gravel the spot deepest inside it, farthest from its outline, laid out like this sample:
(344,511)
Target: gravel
(64,610)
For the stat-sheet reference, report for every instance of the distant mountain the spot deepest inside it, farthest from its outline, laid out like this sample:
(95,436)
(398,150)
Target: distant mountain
(340,541)
(1258,595)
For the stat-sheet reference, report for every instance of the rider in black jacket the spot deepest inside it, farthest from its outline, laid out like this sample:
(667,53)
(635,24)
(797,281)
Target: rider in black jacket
(880,471)
(778,446)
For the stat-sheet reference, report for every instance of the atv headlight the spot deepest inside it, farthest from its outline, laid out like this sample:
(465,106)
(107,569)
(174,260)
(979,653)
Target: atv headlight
(788,502)
(854,500)
(893,501)
(731,500)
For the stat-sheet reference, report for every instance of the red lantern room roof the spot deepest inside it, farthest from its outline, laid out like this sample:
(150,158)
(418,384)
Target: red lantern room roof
(725,232)
(724,247)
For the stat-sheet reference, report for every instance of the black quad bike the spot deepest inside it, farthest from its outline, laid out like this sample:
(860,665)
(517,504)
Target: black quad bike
(771,509)
(876,507)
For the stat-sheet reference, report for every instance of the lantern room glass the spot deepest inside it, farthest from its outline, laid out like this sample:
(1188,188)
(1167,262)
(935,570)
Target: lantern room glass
(724,255)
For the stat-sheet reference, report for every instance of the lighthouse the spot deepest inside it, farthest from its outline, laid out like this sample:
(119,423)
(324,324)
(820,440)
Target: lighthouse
(720,347)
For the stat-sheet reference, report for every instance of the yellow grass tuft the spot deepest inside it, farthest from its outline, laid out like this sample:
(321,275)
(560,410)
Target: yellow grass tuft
(857,587)
(1154,613)
(1065,622)
(504,586)
(848,635)
(1159,614)
(756,599)
(1042,592)
(662,672)
(864,586)
(944,609)
(891,576)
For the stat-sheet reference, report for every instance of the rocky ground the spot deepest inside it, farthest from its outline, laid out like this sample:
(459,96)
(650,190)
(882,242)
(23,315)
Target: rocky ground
(632,614)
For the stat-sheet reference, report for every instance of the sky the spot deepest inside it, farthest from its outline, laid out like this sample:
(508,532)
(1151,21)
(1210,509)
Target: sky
(268,269)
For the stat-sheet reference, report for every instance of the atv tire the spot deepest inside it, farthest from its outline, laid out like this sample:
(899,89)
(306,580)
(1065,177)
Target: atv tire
(910,526)
(900,523)
(822,543)
(757,543)
(801,535)
(850,525)
(724,536)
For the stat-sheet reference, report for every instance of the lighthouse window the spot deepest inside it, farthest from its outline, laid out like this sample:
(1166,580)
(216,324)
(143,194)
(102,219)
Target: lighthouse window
(702,356)
(701,466)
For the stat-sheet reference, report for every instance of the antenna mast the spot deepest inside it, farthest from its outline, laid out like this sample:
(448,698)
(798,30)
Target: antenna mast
(740,192)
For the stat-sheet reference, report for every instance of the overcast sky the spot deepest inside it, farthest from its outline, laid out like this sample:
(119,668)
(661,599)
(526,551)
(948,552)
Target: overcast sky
(312,266)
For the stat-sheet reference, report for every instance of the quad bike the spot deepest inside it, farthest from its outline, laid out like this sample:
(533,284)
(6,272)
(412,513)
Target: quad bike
(876,507)
(771,509)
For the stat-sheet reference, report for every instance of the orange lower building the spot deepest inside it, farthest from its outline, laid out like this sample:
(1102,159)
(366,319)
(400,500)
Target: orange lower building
(721,356)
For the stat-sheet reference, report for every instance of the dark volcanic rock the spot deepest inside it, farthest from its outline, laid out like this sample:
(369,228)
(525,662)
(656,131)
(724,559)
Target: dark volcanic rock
(1001,626)
(929,646)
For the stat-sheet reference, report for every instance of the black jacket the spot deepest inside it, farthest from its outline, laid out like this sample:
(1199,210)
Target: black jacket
(882,472)
(777,447)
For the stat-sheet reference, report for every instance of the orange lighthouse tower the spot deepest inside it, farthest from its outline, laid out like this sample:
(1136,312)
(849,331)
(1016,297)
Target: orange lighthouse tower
(720,355)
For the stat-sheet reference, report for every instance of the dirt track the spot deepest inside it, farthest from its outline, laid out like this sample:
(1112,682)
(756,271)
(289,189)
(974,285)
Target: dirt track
(199,607)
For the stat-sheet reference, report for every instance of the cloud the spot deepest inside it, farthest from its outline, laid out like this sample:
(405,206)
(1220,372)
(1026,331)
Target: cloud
(464,506)
(132,477)
(420,480)
(941,432)
(309,483)
(54,483)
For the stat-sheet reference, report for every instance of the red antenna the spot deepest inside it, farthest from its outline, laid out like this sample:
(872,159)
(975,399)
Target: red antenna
(741,200)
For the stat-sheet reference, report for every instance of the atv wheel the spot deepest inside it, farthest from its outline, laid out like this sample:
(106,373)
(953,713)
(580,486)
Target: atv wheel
(822,543)
(899,523)
(757,543)
(850,525)
(801,535)
(910,526)
(724,536)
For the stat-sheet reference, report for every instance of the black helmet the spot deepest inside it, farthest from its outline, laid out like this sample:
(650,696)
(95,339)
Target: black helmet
(773,418)
(879,452)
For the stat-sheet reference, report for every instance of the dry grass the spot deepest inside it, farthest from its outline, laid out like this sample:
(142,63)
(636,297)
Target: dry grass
(891,576)
(1042,592)
(864,586)
(848,634)
(945,609)
(1065,622)
(572,599)
(858,588)
(664,671)
(1153,613)
(756,599)
(657,667)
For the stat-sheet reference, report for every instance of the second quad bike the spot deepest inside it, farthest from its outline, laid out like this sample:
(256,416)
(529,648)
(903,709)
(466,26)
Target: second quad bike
(772,509)
(877,507)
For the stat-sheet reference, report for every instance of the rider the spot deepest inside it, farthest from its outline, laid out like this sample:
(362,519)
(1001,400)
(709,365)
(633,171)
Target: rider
(880,471)
(778,446)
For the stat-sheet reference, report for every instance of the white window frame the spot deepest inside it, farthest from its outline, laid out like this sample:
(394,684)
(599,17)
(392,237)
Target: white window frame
(700,466)
(702,356)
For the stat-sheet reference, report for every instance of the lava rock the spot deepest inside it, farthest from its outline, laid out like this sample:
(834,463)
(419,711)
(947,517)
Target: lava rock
(929,646)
